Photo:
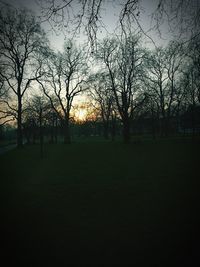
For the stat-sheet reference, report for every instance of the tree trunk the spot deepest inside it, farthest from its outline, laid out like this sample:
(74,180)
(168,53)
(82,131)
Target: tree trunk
(19,123)
(28,135)
(193,120)
(52,134)
(56,130)
(113,128)
(41,135)
(126,131)
(105,130)
(164,127)
(67,137)
(153,127)
(167,127)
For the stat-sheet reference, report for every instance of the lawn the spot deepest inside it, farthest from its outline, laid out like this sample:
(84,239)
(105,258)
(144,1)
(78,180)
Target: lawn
(102,203)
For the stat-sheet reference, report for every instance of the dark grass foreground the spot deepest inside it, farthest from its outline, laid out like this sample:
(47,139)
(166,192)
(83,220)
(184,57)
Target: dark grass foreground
(101,203)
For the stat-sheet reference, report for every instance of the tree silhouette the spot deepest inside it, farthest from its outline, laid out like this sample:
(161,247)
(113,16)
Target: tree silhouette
(101,92)
(123,60)
(66,76)
(20,40)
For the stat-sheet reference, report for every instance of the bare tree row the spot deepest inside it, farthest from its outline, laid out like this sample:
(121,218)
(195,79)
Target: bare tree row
(128,79)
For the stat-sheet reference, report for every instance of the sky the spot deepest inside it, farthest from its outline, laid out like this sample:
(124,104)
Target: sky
(110,14)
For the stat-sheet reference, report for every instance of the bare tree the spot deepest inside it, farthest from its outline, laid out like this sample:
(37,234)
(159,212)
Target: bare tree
(2,86)
(163,79)
(174,91)
(123,60)
(5,115)
(193,54)
(73,16)
(66,75)
(37,110)
(101,92)
(182,17)
(191,83)
(20,40)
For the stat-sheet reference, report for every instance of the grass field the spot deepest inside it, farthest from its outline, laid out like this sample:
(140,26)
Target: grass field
(102,203)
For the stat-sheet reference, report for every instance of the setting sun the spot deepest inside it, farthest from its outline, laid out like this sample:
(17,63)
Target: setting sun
(81,114)
(84,111)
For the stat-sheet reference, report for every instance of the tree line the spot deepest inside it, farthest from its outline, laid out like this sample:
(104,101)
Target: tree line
(124,81)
